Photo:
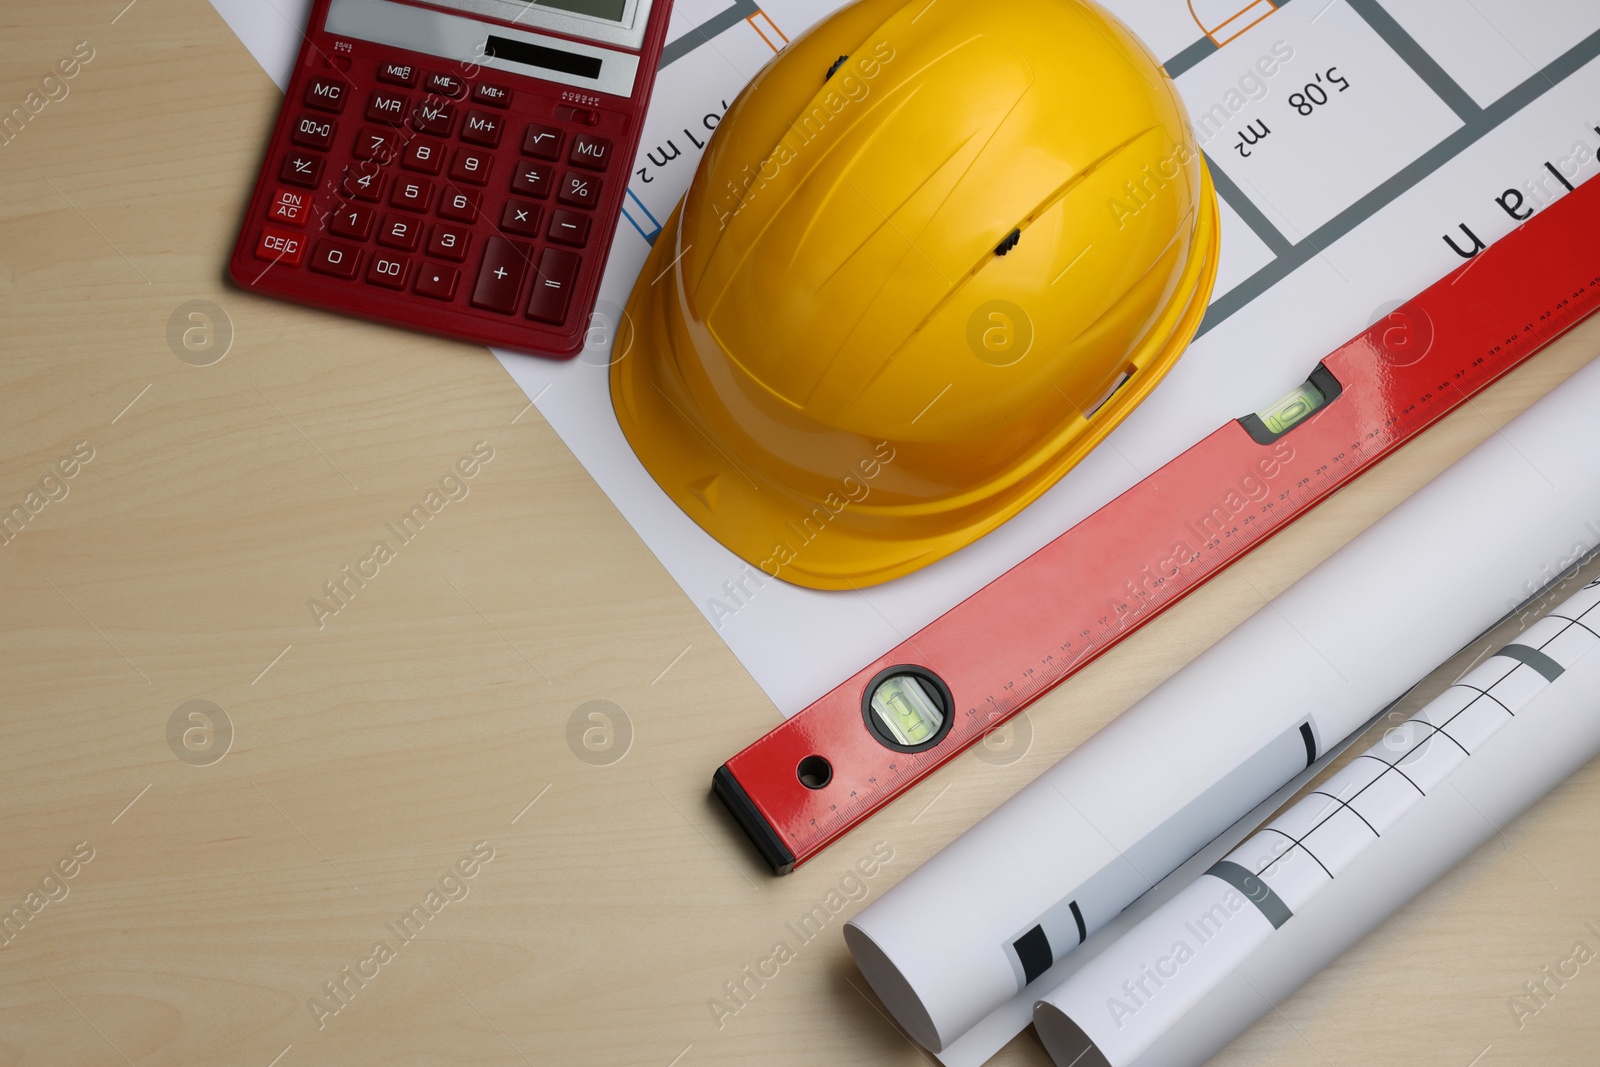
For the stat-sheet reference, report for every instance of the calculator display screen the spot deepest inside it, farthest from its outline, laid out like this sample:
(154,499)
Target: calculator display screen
(610,10)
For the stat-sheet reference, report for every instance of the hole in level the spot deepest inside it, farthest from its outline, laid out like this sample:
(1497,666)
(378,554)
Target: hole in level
(814,772)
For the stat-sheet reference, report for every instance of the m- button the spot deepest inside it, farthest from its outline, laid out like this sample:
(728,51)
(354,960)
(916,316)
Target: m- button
(591,152)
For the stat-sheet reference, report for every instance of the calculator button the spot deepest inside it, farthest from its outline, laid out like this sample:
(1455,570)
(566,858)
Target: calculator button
(532,179)
(336,62)
(373,143)
(325,94)
(581,116)
(301,168)
(482,128)
(278,245)
(458,206)
(591,152)
(444,84)
(385,106)
(397,73)
(388,271)
(493,95)
(569,228)
(362,181)
(520,217)
(312,132)
(552,285)
(542,142)
(289,205)
(434,118)
(580,190)
(336,258)
(352,220)
(424,155)
(400,231)
(500,275)
(470,165)
(413,194)
(436,281)
(449,242)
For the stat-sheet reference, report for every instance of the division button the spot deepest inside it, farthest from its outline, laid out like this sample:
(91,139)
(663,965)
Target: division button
(505,264)
(552,285)
(532,179)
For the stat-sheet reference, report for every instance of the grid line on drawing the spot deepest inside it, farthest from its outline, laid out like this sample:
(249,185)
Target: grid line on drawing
(1482,696)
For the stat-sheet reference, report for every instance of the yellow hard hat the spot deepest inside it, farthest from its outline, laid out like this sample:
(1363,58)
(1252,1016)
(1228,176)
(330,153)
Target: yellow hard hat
(934,253)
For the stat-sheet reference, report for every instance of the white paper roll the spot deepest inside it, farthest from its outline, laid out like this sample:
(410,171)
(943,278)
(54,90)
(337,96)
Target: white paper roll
(1394,820)
(974,928)
(1126,999)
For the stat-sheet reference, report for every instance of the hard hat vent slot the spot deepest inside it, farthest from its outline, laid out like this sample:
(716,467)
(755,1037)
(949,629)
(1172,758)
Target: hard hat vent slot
(835,68)
(1105,399)
(1009,243)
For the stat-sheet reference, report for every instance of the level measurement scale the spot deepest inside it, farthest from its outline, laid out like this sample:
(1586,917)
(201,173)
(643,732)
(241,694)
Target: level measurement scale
(825,770)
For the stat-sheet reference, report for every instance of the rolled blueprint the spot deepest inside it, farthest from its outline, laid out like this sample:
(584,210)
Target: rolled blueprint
(978,927)
(1192,975)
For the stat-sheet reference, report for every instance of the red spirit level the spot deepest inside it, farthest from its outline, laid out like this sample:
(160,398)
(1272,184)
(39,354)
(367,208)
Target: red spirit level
(923,703)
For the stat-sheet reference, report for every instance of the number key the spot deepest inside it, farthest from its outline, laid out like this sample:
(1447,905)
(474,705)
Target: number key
(470,165)
(352,220)
(375,144)
(413,194)
(336,258)
(458,206)
(362,181)
(388,271)
(449,242)
(400,231)
(580,190)
(424,155)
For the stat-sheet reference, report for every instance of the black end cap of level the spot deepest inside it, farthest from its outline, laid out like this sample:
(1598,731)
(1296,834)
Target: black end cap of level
(750,820)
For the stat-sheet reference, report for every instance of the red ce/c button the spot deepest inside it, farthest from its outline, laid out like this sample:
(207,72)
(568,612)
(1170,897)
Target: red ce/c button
(278,245)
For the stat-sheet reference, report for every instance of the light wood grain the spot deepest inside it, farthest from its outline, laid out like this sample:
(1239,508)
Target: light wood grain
(372,754)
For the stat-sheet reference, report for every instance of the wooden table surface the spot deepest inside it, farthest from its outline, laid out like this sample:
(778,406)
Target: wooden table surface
(234,874)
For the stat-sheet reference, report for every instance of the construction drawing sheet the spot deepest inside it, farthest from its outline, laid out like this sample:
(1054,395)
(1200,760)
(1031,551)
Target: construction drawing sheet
(1361,149)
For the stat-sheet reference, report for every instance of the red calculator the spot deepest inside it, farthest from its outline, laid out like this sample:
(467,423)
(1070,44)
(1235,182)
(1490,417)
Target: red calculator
(457,166)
